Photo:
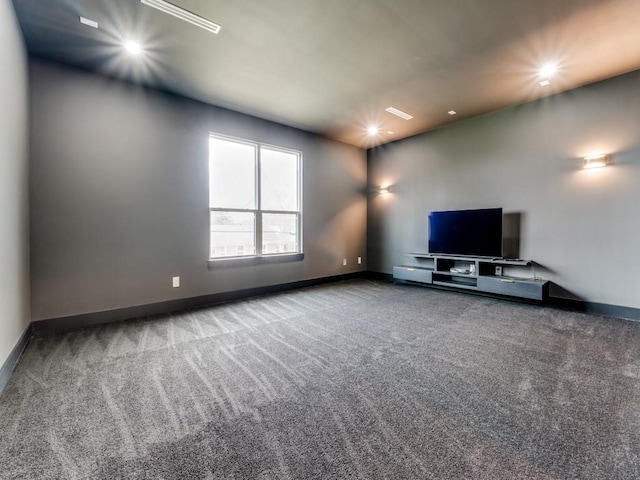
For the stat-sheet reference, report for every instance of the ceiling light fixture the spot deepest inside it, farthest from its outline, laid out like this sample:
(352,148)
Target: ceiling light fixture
(544,83)
(182,14)
(88,22)
(452,112)
(133,47)
(372,130)
(399,113)
(390,132)
(548,70)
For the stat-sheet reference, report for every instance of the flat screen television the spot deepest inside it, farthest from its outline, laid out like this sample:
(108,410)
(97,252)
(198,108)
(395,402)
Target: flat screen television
(476,233)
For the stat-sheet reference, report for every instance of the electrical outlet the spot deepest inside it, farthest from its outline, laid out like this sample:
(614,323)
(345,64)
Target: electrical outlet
(359,260)
(344,262)
(498,271)
(176,282)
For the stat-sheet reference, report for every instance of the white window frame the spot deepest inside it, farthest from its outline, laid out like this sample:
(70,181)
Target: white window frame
(258,212)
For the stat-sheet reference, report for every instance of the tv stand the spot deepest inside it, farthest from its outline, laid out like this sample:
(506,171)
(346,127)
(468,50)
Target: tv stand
(497,276)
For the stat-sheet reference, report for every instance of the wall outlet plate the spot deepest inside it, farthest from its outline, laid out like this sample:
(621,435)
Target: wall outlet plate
(176,282)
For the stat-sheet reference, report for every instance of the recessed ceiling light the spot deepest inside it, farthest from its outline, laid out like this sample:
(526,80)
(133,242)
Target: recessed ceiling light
(399,113)
(548,70)
(452,112)
(544,83)
(390,132)
(182,14)
(133,47)
(88,22)
(372,130)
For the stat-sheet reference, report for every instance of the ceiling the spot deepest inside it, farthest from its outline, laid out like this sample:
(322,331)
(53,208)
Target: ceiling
(333,66)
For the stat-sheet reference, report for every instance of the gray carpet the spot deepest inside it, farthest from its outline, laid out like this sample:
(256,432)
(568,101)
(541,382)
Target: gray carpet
(355,379)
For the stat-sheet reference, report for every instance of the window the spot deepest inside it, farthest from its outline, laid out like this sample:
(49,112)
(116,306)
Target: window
(254,199)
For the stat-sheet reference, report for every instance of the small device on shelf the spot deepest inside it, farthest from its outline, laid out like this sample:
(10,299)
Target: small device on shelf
(460,270)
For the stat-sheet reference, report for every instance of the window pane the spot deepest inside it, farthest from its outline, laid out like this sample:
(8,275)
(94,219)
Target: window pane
(279,177)
(232,174)
(232,234)
(279,233)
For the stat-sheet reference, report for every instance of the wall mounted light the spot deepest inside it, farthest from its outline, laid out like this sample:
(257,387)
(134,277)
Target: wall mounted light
(384,189)
(596,161)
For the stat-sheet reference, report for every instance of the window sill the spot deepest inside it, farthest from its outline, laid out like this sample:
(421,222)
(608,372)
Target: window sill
(234,262)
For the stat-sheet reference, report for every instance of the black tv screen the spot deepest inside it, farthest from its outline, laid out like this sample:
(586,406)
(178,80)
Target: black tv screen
(475,233)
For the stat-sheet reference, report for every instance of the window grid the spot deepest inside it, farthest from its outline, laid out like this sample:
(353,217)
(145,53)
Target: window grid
(257,212)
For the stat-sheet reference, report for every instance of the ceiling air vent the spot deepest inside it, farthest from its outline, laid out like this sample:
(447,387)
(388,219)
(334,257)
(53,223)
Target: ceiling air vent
(183,14)
(88,22)
(399,113)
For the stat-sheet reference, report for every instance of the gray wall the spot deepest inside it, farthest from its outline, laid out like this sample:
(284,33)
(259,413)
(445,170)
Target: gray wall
(583,226)
(119,196)
(14,237)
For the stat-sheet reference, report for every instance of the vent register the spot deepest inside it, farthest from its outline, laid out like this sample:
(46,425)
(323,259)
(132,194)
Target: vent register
(182,14)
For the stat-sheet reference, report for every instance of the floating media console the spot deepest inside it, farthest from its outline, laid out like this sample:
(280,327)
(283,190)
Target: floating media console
(496,276)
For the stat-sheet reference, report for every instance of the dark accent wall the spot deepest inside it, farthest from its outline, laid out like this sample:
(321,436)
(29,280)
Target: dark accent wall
(14,206)
(119,196)
(582,227)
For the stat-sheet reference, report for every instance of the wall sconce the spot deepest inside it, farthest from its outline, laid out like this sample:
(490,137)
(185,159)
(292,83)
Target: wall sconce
(596,161)
(384,189)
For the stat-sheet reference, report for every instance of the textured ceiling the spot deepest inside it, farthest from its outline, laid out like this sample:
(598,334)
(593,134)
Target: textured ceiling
(333,66)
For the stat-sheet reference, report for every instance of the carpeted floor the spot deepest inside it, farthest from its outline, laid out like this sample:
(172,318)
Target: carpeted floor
(355,379)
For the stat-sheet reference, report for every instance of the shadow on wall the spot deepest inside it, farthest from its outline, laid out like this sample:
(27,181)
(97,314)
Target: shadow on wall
(511,248)
(561,293)
(511,228)
(336,241)
(378,229)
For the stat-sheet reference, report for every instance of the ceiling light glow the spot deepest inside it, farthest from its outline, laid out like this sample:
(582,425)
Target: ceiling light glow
(452,112)
(372,130)
(544,83)
(548,70)
(399,113)
(132,47)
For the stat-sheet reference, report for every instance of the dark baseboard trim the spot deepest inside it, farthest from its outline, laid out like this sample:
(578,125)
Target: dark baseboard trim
(14,357)
(604,309)
(73,322)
